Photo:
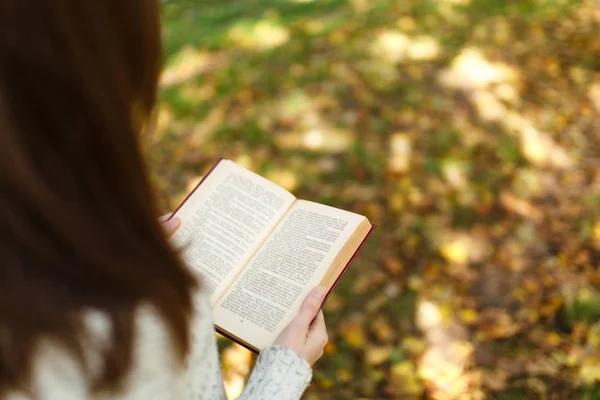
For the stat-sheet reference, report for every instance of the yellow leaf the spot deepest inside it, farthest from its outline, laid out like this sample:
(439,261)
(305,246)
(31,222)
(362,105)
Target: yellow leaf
(414,345)
(353,333)
(403,370)
(456,250)
(468,316)
(552,339)
(377,355)
(590,371)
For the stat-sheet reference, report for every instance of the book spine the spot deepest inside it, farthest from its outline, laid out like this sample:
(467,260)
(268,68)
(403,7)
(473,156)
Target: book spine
(236,340)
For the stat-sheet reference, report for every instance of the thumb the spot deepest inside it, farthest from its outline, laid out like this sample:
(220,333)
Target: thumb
(318,331)
(310,307)
(170,223)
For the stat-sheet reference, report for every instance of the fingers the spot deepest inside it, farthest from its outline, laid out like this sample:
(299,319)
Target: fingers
(318,321)
(170,223)
(317,337)
(318,331)
(306,334)
(310,307)
(164,218)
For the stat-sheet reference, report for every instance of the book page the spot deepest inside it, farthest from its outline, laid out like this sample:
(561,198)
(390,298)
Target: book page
(294,259)
(224,222)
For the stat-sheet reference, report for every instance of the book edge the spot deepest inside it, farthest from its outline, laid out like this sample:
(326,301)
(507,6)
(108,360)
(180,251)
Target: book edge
(236,339)
(210,171)
(339,277)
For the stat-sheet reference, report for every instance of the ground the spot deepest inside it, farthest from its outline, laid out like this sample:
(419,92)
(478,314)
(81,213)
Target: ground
(467,130)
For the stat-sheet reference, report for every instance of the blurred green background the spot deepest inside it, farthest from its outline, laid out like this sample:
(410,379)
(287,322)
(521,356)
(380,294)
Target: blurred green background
(468,130)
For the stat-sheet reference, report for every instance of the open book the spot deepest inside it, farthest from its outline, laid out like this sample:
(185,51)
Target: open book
(260,250)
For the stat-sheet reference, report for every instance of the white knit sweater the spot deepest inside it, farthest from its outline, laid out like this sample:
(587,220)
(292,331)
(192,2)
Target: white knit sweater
(155,375)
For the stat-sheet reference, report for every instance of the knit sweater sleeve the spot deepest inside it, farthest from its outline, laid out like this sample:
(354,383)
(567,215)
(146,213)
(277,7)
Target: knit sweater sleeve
(279,372)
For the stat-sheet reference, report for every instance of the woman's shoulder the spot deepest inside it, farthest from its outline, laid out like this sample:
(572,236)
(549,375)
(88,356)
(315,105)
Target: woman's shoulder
(58,374)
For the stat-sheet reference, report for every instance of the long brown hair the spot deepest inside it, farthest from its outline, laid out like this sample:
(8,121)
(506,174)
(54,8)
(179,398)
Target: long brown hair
(78,227)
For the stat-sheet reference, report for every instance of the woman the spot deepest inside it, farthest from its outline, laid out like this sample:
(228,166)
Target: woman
(94,303)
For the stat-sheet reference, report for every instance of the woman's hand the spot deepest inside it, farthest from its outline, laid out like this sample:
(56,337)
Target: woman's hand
(306,334)
(170,226)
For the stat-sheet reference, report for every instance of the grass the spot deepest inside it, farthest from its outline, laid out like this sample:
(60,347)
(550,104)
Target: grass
(284,69)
